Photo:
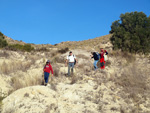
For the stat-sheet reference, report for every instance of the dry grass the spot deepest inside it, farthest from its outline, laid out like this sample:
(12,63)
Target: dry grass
(58,59)
(13,66)
(56,70)
(86,44)
(82,56)
(4,54)
(130,58)
(134,82)
(85,67)
(21,81)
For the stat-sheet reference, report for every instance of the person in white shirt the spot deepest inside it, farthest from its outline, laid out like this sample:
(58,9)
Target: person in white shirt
(71,60)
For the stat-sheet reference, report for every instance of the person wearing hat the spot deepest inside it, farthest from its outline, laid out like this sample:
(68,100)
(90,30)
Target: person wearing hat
(70,61)
(47,69)
(102,60)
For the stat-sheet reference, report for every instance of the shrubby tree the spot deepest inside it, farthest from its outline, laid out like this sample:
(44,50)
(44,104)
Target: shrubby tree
(3,42)
(131,33)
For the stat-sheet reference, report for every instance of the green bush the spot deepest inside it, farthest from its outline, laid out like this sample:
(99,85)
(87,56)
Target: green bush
(131,33)
(26,47)
(3,42)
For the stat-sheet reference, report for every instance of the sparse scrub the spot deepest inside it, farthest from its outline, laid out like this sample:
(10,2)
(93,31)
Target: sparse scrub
(74,79)
(3,42)
(130,58)
(62,51)
(4,54)
(56,70)
(21,81)
(82,56)
(58,59)
(43,49)
(133,81)
(13,66)
(108,63)
(16,47)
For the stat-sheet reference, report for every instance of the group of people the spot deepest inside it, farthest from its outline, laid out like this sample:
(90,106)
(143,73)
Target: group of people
(99,57)
(71,60)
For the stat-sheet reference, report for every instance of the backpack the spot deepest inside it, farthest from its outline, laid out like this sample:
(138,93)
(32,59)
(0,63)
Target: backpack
(98,55)
(74,60)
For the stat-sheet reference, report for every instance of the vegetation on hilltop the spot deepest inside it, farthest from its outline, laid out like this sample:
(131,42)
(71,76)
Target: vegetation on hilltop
(86,44)
(14,47)
(3,42)
(131,33)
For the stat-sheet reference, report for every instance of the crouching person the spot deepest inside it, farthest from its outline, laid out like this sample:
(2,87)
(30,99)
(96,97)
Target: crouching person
(47,69)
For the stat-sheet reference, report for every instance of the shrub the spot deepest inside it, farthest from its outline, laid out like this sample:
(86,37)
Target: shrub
(134,82)
(4,54)
(56,70)
(43,49)
(21,81)
(3,42)
(131,33)
(62,51)
(7,68)
(58,59)
(15,47)
(82,56)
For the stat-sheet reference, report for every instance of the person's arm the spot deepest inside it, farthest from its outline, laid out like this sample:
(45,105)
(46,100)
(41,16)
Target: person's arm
(92,56)
(106,52)
(76,60)
(51,69)
(66,61)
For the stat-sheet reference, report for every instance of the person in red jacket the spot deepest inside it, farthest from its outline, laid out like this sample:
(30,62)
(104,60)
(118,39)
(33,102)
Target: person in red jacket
(102,60)
(47,69)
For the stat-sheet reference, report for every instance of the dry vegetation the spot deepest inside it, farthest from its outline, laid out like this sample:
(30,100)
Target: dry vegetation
(128,74)
(86,44)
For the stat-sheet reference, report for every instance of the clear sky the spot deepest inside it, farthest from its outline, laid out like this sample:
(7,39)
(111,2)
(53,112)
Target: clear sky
(55,21)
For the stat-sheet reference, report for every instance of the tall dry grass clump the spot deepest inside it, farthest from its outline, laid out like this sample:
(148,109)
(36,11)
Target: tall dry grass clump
(4,54)
(134,82)
(21,81)
(130,58)
(13,66)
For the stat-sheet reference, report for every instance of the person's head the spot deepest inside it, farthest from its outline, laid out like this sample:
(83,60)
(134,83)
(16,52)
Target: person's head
(101,49)
(92,53)
(70,53)
(48,62)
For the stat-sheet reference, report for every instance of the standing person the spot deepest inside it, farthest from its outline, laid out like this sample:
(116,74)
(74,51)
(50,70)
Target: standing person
(47,69)
(70,61)
(102,60)
(96,57)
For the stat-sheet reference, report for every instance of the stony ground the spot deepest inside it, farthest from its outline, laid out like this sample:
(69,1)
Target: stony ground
(123,87)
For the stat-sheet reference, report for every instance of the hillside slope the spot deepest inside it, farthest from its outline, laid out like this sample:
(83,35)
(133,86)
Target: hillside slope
(123,87)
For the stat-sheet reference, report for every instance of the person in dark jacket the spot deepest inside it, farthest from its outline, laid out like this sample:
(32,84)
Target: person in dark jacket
(47,69)
(95,55)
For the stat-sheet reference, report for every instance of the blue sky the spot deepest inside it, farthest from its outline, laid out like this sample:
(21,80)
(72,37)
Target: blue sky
(55,21)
